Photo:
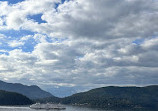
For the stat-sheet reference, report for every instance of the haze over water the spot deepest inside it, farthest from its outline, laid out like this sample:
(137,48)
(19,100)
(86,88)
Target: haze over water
(68,108)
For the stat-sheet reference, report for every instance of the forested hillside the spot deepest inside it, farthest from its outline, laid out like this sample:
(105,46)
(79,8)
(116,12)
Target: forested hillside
(11,98)
(113,97)
(109,97)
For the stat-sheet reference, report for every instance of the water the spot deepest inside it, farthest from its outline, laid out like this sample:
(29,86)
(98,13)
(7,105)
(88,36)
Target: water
(68,108)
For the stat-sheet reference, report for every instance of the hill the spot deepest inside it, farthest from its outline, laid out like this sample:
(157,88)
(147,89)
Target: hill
(11,98)
(111,97)
(32,92)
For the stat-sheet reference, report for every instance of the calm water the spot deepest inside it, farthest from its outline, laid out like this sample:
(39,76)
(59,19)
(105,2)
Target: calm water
(68,108)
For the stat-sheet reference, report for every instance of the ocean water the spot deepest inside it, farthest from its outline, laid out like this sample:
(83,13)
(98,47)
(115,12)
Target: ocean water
(68,108)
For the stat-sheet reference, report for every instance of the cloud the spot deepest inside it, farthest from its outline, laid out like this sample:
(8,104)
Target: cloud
(86,19)
(2,36)
(105,19)
(15,43)
(16,15)
(83,63)
(82,44)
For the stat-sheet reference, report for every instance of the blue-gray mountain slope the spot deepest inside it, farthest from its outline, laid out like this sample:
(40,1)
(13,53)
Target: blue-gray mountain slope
(32,92)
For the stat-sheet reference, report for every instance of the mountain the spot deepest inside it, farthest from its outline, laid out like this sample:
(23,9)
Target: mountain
(111,97)
(32,92)
(11,98)
(63,91)
(114,97)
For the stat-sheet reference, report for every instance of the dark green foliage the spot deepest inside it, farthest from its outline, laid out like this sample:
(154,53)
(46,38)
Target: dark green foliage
(11,98)
(115,97)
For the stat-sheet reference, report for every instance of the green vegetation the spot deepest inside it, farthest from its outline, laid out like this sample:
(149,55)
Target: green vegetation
(114,97)
(11,98)
(105,97)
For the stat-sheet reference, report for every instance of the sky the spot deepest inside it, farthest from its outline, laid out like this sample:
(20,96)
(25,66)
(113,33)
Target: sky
(70,46)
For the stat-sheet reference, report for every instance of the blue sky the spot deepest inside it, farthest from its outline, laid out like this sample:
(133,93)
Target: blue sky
(37,18)
(78,45)
(13,1)
(16,35)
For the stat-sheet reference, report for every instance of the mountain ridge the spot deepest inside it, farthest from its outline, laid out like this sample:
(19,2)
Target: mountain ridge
(113,97)
(32,92)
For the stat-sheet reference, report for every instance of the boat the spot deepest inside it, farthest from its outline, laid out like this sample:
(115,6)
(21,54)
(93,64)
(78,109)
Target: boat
(47,106)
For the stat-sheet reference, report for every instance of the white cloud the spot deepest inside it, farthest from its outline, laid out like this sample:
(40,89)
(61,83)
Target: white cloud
(151,44)
(2,36)
(25,38)
(104,19)
(87,19)
(79,62)
(15,43)
(99,49)
(16,15)
(1,21)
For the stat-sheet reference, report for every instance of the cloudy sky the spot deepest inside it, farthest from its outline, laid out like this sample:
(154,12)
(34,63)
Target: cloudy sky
(79,44)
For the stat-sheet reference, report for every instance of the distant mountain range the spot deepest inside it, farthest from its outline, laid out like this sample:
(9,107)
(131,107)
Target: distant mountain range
(114,97)
(11,98)
(32,92)
(105,97)
(63,91)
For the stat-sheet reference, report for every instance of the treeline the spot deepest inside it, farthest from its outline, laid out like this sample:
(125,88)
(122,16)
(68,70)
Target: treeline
(113,97)
(11,98)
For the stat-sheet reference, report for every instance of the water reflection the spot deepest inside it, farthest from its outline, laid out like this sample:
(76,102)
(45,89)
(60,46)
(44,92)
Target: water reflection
(68,108)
